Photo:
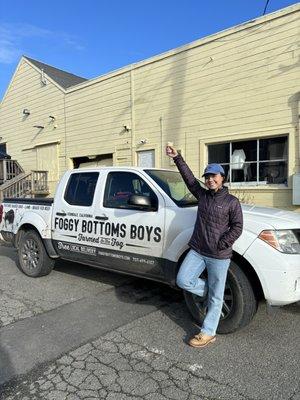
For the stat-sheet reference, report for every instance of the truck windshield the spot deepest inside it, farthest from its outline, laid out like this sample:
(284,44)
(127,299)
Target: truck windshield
(173,185)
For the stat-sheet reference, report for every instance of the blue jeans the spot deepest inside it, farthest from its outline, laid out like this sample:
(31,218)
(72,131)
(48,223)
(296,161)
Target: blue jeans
(188,279)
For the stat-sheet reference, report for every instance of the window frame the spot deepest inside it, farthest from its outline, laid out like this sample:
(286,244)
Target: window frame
(176,202)
(68,185)
(256,138)
(144,150)
(136,208)
(3,147)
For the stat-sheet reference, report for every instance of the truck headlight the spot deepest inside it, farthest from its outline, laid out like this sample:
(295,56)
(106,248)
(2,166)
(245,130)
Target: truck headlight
(282,240)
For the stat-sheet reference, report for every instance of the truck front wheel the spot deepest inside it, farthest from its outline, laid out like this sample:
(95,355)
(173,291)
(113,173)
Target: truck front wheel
(239,304)
(33,259)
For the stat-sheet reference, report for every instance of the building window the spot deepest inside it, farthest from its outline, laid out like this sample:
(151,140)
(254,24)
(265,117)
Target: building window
(3,148)
(146,159)
(256,161)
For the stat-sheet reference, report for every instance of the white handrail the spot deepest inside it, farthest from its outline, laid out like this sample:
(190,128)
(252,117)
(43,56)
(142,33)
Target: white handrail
(25,184)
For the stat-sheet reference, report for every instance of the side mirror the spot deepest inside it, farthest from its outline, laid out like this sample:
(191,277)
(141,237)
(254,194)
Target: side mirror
(140,201)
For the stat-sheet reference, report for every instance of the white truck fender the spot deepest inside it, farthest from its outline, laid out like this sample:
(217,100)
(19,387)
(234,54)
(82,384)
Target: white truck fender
(179,245)
(43,229)
(244,242)
(37,222)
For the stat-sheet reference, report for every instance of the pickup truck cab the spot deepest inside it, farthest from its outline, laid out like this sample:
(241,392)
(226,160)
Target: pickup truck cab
(138,221)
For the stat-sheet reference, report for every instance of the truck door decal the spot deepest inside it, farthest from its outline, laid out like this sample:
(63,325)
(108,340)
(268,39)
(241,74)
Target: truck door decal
(93,255)
(108,233)
(9,218)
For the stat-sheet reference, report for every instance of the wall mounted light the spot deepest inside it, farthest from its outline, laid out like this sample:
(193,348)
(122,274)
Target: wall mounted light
(143,141)
(26,112)
(126,128)
(52,117)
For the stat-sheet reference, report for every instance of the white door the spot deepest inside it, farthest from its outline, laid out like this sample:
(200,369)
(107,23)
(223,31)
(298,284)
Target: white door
(47,160)
(131,238)
(101,228)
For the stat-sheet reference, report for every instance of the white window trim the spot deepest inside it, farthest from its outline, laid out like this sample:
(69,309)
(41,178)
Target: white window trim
(146,148)
(257,134)
(143,151)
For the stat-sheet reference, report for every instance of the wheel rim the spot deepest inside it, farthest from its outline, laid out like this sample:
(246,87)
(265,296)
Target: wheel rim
(227,303)
(30,254)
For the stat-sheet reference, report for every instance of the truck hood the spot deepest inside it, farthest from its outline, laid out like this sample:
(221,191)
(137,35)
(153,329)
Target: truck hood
(271,218)
(256,219)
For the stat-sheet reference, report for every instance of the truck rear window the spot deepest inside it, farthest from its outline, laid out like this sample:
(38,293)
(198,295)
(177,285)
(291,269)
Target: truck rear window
(81,188)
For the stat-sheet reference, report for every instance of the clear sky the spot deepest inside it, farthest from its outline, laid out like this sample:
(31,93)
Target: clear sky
(92,37)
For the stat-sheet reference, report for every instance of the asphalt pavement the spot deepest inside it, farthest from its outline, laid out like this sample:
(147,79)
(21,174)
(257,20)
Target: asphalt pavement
(82,333)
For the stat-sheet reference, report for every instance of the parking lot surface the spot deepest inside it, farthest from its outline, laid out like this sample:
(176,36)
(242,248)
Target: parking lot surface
(82,333)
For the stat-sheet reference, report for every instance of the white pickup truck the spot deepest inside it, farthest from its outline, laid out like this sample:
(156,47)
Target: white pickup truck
(138,221)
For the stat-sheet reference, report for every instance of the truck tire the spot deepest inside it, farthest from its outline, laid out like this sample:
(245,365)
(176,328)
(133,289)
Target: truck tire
(33,259)
(240,303)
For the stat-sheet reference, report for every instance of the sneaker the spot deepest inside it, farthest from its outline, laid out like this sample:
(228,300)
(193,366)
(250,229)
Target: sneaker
(201,340)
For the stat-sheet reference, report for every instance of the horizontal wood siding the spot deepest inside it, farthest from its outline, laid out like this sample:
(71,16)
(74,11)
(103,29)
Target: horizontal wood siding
(26,91)
(242,82)
(96,116)
(245,81)
(281,198)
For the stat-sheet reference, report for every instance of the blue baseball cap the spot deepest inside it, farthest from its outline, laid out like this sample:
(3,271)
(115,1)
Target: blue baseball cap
(214,169)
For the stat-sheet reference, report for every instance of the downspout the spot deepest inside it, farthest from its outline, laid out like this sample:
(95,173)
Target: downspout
(132,103)
(296,176)
(161,140)
(65,129)
(298,129)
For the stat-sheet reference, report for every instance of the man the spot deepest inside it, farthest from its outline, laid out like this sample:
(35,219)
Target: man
(219,223)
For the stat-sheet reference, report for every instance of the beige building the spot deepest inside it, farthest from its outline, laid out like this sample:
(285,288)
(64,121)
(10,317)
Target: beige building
(232,98)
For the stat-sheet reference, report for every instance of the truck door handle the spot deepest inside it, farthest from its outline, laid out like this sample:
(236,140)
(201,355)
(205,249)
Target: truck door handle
(101,217)
(61,214)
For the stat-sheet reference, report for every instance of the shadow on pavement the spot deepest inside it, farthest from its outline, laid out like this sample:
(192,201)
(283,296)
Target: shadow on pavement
(140,291)
(91,273)
(128,289)
(6,368)
(292,308)
(137,291)
(7,250)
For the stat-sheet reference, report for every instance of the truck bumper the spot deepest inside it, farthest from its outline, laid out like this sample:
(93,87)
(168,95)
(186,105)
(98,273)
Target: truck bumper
(279,273)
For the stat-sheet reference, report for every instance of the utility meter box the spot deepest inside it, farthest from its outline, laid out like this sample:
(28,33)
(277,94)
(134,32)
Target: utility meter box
(296,189)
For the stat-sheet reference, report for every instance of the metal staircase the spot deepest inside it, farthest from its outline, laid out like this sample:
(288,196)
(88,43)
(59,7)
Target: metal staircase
(15,182)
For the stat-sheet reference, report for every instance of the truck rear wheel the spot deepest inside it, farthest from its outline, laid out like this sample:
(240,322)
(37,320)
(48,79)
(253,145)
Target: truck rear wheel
(33,259)
(239,304)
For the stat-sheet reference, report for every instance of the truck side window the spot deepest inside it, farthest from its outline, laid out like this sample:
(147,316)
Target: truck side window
(121,185)
(81,188)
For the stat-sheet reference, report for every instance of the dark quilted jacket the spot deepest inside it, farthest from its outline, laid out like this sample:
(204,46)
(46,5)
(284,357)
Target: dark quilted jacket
(219,218)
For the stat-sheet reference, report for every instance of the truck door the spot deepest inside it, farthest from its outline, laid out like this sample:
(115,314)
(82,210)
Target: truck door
(131,238)
(72,214)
